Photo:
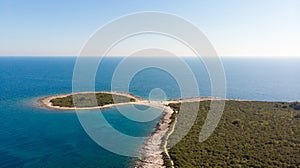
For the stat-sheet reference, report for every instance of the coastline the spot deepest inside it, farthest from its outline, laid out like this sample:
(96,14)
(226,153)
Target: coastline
(151,154)
(45,101)
(153,147)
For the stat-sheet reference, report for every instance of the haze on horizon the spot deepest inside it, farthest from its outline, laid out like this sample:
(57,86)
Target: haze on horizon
(235,28)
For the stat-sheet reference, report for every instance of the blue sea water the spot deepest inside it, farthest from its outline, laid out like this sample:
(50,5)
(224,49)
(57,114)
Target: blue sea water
(36,137)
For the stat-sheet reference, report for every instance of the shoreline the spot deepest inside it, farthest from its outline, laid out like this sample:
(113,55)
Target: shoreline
(45,101)
(151,153)
(153,147)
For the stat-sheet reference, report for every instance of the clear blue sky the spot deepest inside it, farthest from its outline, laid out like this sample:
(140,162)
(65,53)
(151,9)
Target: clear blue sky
(235,27)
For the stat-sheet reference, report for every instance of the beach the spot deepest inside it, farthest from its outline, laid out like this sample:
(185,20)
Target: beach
(152,149)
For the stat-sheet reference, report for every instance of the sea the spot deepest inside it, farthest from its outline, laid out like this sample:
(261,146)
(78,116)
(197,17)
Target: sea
(33,136)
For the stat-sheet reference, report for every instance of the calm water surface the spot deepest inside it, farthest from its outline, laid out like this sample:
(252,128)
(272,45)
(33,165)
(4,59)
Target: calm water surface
(37,137)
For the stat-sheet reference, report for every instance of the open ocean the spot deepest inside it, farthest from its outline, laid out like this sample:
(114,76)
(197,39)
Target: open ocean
(38,137)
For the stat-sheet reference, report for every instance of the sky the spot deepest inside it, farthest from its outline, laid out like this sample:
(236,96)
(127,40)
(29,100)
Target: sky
(234,27)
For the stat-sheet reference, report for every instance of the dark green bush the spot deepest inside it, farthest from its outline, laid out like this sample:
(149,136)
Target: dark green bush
(250,134)
(90,100)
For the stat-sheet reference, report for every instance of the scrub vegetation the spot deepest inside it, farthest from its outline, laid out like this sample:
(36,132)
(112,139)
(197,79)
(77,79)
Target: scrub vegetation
(90,100)
(249,134)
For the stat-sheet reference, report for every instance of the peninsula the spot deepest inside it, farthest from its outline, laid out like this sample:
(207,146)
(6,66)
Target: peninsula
(155,152)
(250,133)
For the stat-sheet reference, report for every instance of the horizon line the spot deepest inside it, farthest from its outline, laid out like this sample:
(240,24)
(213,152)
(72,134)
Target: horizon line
(222,56)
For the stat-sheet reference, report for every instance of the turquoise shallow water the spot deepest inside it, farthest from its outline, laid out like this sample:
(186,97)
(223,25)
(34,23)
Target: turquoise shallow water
(37,137)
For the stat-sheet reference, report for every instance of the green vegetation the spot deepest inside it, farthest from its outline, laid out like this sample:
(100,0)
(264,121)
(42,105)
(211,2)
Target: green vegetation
(167,161)
(88,100)
(250,134)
